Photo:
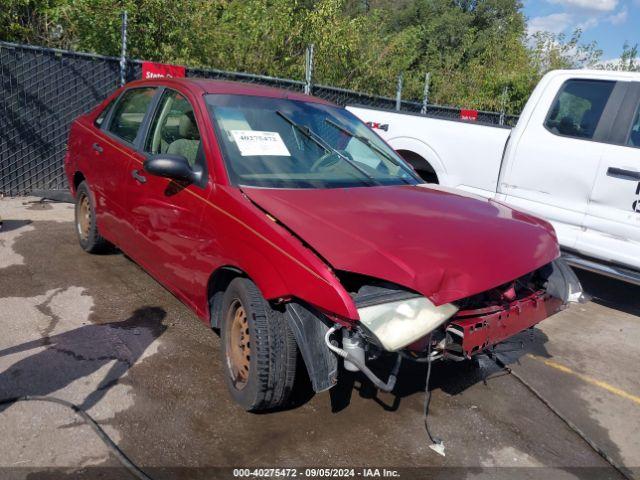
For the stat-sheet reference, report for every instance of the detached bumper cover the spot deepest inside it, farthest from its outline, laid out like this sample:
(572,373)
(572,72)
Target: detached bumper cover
(471,331)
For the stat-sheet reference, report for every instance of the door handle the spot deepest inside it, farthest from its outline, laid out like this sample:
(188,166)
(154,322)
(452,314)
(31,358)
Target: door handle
(97,148)
(138,177)
(623,174)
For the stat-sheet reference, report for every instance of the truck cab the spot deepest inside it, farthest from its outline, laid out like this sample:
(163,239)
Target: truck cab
(574,158)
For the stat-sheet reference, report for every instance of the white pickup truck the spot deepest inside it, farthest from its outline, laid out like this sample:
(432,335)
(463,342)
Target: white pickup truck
(573,158)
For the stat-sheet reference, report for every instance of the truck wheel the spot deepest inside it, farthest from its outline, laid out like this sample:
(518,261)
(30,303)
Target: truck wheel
(86,228)
(258,349)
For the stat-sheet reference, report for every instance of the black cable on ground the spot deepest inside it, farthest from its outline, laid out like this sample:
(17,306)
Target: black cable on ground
(620,468)
(427,398)
(120,455)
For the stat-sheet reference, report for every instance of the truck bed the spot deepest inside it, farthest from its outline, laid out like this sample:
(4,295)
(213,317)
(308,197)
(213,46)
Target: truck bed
(463,154)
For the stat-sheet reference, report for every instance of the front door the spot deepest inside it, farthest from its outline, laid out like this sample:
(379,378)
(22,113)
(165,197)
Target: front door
(555,163)
(612,224)
(166,214)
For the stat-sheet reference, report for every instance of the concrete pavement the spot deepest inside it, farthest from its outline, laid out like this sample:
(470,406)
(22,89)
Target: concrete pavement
(98,331)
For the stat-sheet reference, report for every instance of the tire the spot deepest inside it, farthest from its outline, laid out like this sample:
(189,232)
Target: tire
(260,366)
(85,220)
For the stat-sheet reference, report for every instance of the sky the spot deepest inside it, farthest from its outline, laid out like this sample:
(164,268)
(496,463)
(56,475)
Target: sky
(609,22)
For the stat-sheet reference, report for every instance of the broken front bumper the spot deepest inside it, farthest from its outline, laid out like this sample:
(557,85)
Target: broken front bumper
(472,331)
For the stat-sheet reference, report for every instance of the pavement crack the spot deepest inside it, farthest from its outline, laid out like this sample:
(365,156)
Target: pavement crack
(82,358)
(45,308)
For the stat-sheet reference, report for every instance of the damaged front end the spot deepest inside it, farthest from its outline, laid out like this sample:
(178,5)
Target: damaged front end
(397,320)
(489,318)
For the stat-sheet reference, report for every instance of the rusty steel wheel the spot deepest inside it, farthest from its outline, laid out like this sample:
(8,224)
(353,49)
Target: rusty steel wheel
(84,217)
(90,239)
(259,350)
(238,351)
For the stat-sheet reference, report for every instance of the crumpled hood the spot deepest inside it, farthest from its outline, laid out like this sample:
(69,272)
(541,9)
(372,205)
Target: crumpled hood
(444,245)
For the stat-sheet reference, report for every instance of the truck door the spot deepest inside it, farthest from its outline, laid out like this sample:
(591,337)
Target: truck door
(555,161)
(612,223)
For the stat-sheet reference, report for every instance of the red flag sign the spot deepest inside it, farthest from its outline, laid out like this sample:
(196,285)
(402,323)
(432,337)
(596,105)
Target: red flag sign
(161,70)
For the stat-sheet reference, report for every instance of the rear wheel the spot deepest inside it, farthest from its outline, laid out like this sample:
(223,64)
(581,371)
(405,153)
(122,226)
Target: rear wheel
(258,348)
(90,239)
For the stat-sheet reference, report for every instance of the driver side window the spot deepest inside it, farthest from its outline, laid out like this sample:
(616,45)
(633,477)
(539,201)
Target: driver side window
(174,129)
(578,107)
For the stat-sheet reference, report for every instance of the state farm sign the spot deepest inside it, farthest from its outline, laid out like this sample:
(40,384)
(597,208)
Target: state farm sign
(466,114)
(161,70)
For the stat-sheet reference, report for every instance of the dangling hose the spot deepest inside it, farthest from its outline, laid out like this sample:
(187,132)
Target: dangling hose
(384,386)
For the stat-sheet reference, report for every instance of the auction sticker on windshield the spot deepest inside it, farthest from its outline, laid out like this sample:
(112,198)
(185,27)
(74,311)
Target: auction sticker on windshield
(253,142)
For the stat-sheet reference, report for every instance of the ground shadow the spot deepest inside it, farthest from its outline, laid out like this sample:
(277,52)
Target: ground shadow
(78,353)
(610,293)
(9,225)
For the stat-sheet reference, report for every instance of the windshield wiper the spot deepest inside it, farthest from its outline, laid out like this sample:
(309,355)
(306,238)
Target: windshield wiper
(318,140)
(371,145)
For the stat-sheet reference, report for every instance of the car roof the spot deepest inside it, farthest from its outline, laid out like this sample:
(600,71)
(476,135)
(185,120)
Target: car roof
(205,86)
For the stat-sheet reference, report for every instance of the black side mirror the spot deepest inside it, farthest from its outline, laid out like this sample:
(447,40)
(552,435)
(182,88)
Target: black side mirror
(173,166)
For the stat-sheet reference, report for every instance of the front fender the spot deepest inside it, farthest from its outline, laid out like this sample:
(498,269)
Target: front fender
(275,259)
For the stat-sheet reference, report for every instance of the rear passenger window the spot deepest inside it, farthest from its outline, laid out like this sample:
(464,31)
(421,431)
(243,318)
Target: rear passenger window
(129,113)
(634,136)
(103,114)
(578,107)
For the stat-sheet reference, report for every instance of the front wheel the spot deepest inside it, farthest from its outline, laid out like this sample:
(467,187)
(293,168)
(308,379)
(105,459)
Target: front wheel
(258,348)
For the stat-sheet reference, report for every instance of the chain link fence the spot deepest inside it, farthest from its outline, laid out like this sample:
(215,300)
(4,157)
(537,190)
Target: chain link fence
(43,90)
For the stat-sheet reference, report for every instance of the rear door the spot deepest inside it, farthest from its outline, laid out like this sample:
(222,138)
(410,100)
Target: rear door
(612,223)
(556,160)
(111,153)
(166,214)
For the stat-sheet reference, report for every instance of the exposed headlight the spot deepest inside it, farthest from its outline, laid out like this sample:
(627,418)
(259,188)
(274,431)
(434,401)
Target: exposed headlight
(399,323)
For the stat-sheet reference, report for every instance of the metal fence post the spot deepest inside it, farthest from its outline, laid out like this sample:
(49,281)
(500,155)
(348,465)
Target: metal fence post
(308,70)
(503,106)
(123,51)
(399,93)
(425,95)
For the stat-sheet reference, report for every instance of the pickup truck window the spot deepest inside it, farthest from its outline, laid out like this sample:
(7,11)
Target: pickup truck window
(129,113)
(578,107)
(634,136)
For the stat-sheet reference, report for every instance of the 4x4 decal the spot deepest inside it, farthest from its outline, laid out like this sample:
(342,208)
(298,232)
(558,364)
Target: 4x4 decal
(635,206)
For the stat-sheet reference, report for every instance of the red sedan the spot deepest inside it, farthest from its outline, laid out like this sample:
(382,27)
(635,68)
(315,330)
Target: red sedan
(286,223)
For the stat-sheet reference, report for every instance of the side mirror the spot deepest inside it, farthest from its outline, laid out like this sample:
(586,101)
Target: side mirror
(173,166)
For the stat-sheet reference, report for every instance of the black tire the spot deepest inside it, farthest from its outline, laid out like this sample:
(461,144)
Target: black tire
(266,382)
(85,221)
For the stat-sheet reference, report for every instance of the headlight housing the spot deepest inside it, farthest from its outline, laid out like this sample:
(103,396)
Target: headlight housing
(397,317)
(398,324)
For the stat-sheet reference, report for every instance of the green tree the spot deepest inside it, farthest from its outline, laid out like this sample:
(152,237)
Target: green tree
(39,22)
(556,51)
(475,50)
(628,61)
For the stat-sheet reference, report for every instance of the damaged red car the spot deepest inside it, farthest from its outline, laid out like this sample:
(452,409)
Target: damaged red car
(286,223)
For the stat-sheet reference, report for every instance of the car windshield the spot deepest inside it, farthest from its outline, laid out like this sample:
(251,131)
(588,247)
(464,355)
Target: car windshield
(282,143)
